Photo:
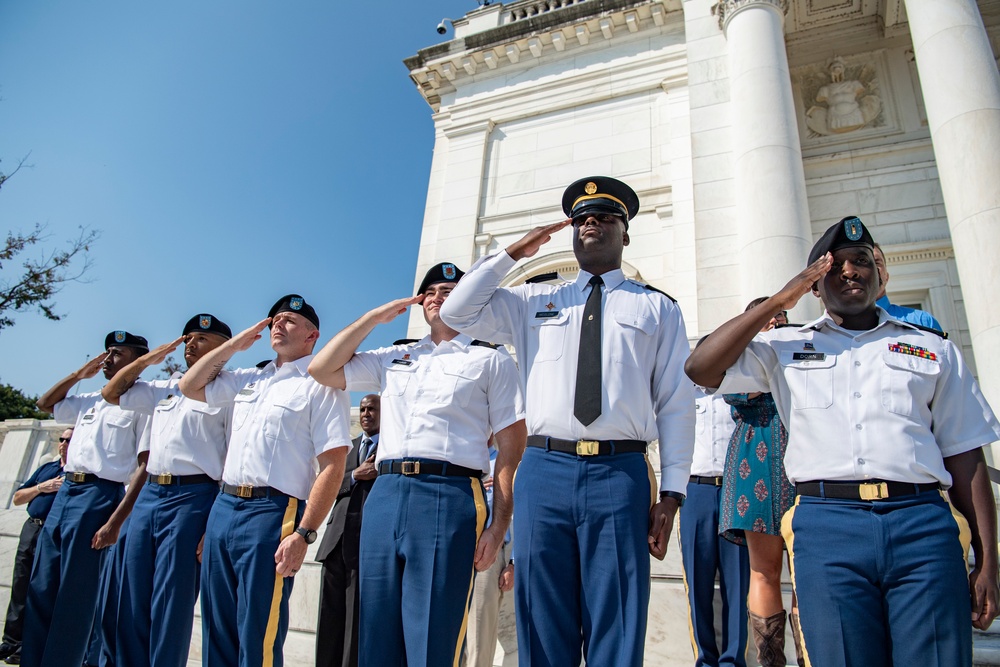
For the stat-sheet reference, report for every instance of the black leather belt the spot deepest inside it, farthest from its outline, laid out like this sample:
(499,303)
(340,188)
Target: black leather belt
(425,467)
(874,490)
(711,481)
(80,477)
(37,522)
(587,447)
(180,480)
(247,491)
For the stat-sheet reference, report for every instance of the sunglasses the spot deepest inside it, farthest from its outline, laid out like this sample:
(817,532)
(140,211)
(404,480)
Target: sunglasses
(63,439)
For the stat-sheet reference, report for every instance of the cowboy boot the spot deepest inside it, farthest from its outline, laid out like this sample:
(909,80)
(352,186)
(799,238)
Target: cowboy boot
(769,638)
(800,654)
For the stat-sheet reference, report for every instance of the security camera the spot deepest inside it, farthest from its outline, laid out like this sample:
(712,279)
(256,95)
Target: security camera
(442,28)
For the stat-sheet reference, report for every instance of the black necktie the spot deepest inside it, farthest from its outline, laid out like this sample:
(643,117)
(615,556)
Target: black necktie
(587,404)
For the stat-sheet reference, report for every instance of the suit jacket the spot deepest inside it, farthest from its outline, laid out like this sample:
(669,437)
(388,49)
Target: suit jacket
(338,515)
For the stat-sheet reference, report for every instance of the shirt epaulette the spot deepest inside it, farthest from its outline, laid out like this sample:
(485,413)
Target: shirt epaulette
(542,278)
(937,332)
(483,343)
(261,364)
(654,289)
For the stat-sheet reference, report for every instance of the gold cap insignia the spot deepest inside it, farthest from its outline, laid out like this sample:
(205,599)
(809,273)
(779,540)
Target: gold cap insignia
(590,188)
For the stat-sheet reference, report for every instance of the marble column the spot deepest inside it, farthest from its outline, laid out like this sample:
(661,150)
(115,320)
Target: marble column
(771,206)
(961,89)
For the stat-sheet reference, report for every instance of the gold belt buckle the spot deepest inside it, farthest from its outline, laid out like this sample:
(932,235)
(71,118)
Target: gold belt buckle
(166,478)
(244,491)
(873,491)
(411,467)
(587,447)
(77,477)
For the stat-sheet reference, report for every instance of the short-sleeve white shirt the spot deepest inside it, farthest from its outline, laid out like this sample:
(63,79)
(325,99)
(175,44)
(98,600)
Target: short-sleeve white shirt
(187,437)
(888,403)
(646,394)
(282,420)
(440,401)
(713,429)
(106,438)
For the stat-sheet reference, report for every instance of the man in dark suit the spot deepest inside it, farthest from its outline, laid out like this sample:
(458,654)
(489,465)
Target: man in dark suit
(337,631)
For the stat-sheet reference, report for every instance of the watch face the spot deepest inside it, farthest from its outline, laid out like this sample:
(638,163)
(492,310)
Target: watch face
(308,535)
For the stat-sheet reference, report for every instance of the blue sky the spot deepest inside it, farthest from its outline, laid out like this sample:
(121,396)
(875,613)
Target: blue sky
(229,151)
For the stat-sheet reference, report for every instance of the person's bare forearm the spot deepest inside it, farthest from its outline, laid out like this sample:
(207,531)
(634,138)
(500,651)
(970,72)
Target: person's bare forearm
(325,488)
(134,487)
(971,495)
(327,367)
(510,447)
(123,381)
(25,495)
(708,363)
(204,371)
(47,401)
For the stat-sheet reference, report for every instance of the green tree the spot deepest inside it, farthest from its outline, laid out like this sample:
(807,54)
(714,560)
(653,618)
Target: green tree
(28,283)
(14,404)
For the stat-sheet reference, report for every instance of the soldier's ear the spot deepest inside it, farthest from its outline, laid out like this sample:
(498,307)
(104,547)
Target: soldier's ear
(625,239)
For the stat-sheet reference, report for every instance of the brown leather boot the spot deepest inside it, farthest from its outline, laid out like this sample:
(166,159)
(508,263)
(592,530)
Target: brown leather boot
(800,655)
(769,638)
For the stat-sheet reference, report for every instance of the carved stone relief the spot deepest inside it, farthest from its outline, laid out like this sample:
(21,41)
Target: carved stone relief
(843,97)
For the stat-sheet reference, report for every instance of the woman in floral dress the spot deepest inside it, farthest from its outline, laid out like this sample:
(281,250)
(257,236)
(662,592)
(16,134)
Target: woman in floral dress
(755,494)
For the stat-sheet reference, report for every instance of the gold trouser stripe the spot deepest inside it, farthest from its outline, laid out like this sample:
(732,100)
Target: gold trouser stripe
(687,594)
(271,633)
(786,532)
(480,498)
(964,532)
(653,489)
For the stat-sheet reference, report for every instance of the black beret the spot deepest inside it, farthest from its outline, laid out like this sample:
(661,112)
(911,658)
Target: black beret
(600,194)
(444,272)
(293,303)
(125,339)
(849,232)
(206,323)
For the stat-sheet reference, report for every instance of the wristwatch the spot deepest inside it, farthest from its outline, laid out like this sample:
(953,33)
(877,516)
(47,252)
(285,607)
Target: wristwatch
(679,497)
(308,535)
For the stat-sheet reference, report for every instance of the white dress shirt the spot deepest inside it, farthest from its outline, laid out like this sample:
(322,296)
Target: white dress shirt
(440,401)
(282,420)
(646,395)
(714,427)
(889,403)
(106,439)
(187,437)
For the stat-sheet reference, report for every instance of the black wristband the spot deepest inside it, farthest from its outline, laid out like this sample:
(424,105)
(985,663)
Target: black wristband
(679,497)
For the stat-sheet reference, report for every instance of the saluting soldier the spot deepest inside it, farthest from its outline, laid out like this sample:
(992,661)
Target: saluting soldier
(882,416)
(186,452)
(88,511)
(423,531)
(602,360)
(285,426)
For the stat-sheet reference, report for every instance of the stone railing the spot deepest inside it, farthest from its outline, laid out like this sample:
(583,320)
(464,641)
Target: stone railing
(524,10)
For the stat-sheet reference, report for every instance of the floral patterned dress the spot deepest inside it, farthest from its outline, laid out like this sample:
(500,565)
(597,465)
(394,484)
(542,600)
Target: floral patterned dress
(755,491)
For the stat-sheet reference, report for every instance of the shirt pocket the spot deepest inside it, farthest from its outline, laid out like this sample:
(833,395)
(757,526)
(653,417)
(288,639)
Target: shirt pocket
(908,382)
(243,406)
(699,410)
(397,378)
(458,385)
(810,381)
(163,414)
(117,431)
(631,337)
(550,332)
(284,415)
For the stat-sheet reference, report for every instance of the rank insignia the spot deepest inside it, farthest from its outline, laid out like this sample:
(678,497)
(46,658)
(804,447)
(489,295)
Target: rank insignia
(853,228)
(550,306)
(205,321)
(808,346)
(406,356)
(590,188)
(449,271)
(119,336)
(913,351)
(295,303)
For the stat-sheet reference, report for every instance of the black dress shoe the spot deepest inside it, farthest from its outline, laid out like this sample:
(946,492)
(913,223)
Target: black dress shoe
(7,650)
(14,658)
